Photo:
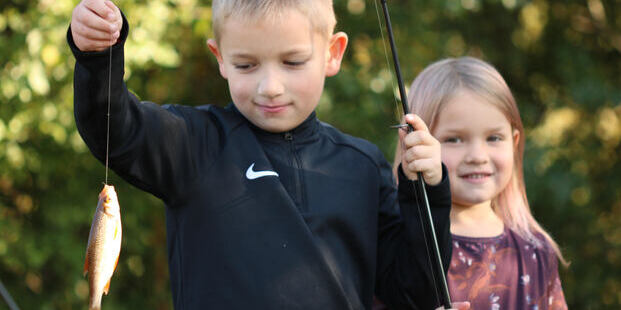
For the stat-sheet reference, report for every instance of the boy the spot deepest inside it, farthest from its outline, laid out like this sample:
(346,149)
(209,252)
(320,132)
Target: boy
(267,208)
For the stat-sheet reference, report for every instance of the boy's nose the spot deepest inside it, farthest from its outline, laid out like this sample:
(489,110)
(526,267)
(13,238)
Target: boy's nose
(270,85)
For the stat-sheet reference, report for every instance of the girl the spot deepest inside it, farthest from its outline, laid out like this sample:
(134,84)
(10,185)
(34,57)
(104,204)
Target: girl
(502,258)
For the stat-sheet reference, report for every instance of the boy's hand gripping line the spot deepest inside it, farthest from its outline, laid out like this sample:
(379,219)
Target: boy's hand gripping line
(437,272)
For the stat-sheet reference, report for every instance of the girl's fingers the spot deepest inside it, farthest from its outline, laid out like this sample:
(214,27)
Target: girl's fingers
(464,305)
(419,138)
(427,167)
(421,165)
(419,152)
(416,122)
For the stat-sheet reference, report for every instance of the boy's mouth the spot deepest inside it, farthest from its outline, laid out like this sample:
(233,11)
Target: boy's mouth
(272,108)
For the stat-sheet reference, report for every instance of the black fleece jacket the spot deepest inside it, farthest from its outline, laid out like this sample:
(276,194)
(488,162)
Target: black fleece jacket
(306,219)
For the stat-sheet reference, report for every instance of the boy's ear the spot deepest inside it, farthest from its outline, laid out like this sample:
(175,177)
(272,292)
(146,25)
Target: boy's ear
(213,47)
(336,50)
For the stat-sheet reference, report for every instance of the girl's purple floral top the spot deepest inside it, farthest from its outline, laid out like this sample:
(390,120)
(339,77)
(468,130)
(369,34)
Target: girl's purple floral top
(505,272)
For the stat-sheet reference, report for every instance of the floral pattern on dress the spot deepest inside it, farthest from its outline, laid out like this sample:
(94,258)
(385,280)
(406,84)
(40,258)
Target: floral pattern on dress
(505,272)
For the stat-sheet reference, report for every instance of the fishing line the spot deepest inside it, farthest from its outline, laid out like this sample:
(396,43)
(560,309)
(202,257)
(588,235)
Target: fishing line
(108,114)
(398,107)
(7,298)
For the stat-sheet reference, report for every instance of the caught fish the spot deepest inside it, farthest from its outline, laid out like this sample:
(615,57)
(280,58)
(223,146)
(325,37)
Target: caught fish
(104,246)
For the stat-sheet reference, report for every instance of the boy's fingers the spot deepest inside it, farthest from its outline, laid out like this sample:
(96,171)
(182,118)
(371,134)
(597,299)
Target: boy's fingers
(94,34)
(116,13)
(95,45)
(90,20)
(416,122)
(99,7)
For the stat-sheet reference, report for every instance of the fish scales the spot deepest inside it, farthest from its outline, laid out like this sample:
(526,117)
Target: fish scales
(104,246)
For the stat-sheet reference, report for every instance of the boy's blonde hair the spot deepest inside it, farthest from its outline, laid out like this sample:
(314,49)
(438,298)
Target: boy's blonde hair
(319,12)
(437,84)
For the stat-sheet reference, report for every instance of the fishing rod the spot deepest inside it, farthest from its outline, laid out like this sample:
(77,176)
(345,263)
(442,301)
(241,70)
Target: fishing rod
(438,276)
(7,298)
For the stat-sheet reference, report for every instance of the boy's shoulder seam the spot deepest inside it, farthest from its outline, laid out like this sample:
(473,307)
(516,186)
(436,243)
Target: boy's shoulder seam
(363,146)
(226,118)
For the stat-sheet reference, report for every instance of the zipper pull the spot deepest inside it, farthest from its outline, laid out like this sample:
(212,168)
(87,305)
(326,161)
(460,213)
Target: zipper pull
(288,136)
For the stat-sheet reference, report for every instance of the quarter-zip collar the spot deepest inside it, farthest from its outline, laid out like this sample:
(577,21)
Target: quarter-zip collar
(304,132)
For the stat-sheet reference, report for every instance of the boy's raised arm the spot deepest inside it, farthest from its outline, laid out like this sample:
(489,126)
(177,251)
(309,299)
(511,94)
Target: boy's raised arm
(149,145)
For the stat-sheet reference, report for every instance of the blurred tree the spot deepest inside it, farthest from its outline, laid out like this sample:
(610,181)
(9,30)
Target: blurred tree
(562,59)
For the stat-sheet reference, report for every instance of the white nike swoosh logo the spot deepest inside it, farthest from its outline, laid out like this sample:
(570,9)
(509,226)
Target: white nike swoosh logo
(251,174)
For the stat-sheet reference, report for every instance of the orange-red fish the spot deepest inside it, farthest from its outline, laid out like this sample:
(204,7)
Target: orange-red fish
(104,246)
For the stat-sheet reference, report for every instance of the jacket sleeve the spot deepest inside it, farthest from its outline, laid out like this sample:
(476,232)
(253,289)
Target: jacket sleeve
(404,275)
(149,145)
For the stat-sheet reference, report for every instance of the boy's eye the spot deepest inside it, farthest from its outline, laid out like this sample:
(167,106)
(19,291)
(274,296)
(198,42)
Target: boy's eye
(294,63)
(243,66)
(494,138)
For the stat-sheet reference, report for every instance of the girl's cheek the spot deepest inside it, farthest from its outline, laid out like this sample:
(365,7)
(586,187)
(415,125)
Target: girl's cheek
(450,160)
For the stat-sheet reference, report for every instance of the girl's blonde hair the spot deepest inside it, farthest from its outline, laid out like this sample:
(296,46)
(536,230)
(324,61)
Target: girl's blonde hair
(319,12)
(436,85)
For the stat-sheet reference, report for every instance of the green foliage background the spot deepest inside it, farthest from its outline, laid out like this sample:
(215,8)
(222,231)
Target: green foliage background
(560,57)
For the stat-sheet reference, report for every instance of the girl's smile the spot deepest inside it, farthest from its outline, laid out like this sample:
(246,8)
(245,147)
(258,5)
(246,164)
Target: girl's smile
(477,148)
(476,177)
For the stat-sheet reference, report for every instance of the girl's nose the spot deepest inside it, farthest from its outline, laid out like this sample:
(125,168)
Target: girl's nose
(477,153)
(270,85)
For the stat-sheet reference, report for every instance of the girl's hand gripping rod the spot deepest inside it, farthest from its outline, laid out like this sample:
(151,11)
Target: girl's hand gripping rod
(438,275)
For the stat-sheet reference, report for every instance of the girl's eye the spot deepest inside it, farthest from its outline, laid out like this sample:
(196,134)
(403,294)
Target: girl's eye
(452,140)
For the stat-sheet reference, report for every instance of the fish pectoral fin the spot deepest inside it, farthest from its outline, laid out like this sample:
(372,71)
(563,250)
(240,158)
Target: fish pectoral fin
(107,287)
(85,267)
(116,263)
